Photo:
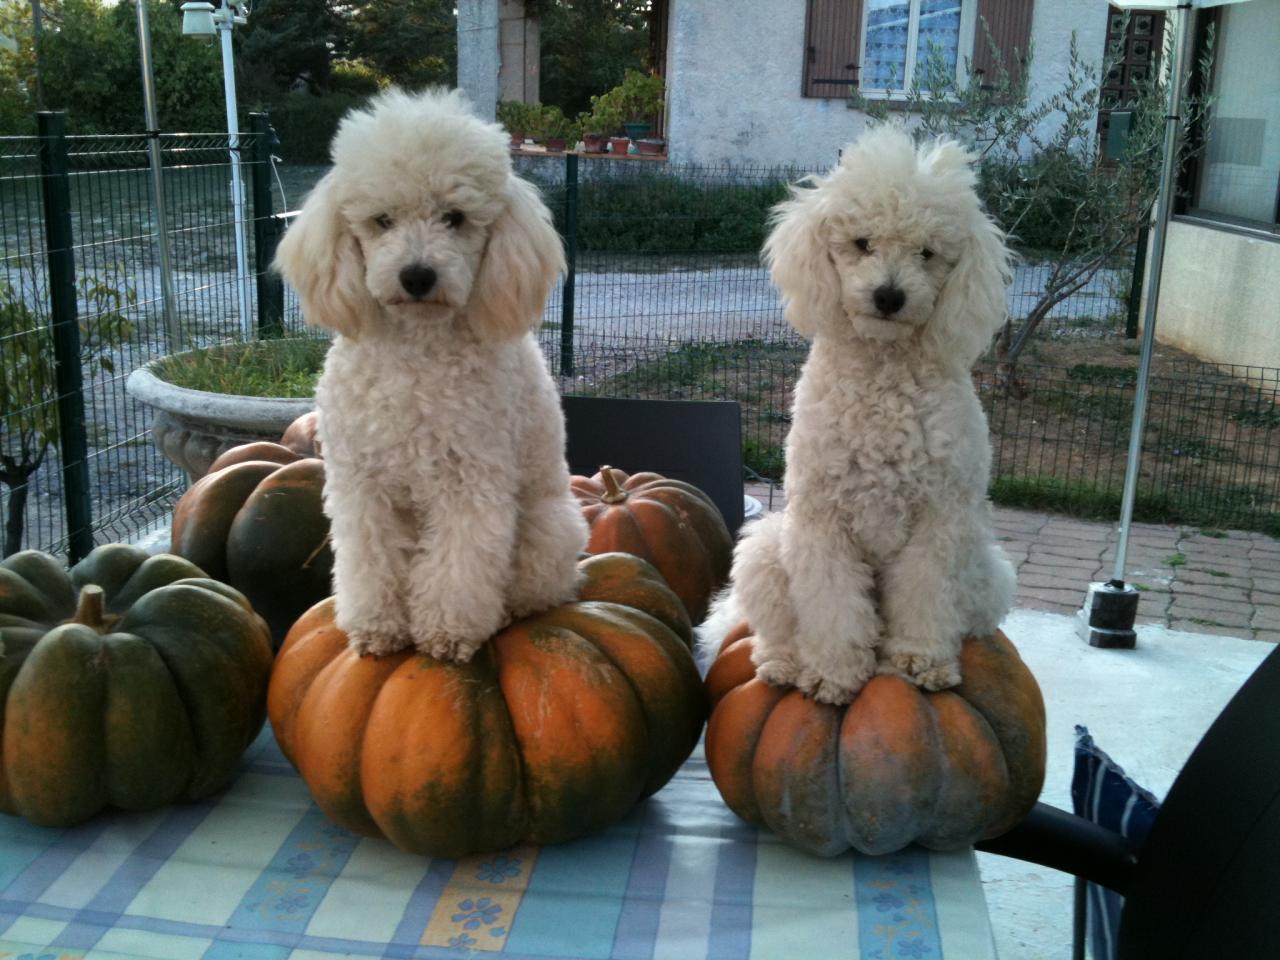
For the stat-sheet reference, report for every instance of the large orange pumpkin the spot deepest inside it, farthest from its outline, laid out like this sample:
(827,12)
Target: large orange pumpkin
(255,521)
(673,525)
(897,766)
(557,727)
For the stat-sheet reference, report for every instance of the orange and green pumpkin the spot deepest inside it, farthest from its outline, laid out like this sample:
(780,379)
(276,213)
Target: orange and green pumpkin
(256,522)
(897,766)
(130,681)
(673,525)
(556,728)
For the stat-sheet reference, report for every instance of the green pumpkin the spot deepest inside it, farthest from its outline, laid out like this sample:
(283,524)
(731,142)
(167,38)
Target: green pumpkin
(130,681)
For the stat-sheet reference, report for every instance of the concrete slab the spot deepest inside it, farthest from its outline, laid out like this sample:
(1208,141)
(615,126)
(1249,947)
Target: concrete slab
(1146,707)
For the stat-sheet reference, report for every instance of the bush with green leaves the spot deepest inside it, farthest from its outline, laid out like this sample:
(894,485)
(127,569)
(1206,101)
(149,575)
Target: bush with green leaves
(306,124)
(28,381)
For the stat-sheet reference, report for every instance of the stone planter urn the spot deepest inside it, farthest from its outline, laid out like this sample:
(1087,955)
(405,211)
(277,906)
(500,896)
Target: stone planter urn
(192,428)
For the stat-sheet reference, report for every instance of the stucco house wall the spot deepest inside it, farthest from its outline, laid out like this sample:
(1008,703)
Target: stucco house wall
(734,79)
(1220,295)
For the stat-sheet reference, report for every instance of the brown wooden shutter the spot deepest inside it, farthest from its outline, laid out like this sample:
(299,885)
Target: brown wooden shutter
(1010,24)
(831,48)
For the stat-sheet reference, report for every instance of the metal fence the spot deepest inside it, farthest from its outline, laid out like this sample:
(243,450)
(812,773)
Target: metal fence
(665,298)
(81,303)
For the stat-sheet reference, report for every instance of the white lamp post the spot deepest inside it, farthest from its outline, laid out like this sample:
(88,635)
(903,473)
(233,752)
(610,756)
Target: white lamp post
(201,19)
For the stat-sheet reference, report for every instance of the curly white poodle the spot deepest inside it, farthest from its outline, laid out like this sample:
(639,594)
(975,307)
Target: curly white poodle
(884,559)
(446,481)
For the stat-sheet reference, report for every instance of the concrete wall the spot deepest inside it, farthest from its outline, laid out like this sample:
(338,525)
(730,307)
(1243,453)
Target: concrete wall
(734,76)
(1220,295)
(478,58)
(520,49)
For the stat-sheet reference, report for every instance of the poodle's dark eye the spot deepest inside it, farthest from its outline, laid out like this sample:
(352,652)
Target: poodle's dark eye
(383,221)
(926,254)
(863,244)
(455,218)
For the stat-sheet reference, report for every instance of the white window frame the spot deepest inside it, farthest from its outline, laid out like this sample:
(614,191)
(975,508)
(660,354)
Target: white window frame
(964,49)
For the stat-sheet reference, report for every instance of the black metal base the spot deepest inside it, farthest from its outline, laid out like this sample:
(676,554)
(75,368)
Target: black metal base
(1108,615)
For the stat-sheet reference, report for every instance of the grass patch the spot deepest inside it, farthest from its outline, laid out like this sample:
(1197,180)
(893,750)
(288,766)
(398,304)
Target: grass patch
(1217,573)
(264,368)
(1213,534)
(1267,418)
(1101,375)
(1176,560)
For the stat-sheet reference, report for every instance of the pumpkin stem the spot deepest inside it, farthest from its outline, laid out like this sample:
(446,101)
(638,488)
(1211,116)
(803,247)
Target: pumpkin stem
(612,492)
(91,610)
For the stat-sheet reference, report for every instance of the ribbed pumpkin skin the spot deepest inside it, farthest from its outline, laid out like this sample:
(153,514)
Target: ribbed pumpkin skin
(673,525)
(897,766)
(558,726)
(155,706)
(256,522)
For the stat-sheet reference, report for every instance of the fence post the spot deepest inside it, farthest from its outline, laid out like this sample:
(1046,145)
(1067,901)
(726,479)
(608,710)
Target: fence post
(570,256)
(266,230)
(1135,288)
(68,379)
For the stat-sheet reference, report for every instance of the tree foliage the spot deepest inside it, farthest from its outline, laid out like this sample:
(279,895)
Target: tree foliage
(587,46)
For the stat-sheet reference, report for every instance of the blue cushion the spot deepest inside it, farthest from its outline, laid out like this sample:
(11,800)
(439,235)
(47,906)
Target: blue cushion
(1103,794)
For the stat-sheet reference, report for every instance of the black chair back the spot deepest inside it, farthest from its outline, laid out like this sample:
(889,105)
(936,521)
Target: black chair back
(697,441)
(1207,882)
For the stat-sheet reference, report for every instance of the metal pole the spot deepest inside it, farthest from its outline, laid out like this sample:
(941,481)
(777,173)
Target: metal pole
(68,377)
(225,20)
(1164,204)
(37,36)
(173,330)
(571,257)
(266,231)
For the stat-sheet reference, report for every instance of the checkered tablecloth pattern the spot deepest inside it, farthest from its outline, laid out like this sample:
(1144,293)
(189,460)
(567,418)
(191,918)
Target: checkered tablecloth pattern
(259,873)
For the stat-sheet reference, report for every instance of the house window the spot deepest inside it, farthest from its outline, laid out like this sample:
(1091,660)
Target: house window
(1237,179)
(900,36)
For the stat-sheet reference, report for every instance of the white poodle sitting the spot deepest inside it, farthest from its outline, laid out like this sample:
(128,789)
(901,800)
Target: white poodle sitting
(884,559)
(446,481)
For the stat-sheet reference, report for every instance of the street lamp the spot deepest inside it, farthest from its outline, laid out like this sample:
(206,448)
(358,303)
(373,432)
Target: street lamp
(201,19)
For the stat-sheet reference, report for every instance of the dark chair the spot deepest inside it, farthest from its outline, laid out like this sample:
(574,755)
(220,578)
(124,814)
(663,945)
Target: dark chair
(697,441)
(1206,884)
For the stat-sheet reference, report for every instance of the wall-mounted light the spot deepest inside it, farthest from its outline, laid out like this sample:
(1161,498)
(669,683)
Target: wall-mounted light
(197,19)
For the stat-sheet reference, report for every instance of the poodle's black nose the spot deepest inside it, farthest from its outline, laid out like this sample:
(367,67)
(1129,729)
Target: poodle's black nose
(417,280)
(888,299)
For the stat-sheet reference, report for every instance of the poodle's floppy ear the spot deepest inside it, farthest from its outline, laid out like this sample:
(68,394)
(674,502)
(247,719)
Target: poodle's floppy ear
(321,259)
(521,262)
(971,306)
(799,262)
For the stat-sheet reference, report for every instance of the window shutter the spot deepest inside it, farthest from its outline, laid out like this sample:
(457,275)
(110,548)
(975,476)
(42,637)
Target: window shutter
(1010,24)
(831,48)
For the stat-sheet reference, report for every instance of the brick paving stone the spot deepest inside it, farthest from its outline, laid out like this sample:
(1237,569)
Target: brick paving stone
(1217,630)
(1211,575)
(1034,569)
(1075,530)
(1227,617)
(1264,544)
(1206,564)
(1013,520)
(1199,553)
(1075,550)
(1265,565)
(1265,618)
(1267,636)
(1214,591)
(1071,598)
(1264,596)
(1048,606)
(1050,582)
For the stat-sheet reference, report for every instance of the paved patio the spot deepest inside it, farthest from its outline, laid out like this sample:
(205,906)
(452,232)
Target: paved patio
(1217,582)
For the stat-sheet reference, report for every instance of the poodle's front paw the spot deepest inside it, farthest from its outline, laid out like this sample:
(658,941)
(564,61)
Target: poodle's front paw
(928,672)
(778,672)
(843,682)
(372,643)
(449,647)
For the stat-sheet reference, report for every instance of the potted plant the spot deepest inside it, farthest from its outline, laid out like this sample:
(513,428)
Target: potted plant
(604,120)
(209,400)
(557,130)
(641,96)
(514,115)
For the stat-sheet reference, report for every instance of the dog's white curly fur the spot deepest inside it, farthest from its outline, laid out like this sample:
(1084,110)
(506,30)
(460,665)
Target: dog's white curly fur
(884,559)
(446,481)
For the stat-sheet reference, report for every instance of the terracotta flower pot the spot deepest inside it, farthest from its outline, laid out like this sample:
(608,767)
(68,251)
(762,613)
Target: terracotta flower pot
(651,147)
(595,142)
(619,145)
(555,144)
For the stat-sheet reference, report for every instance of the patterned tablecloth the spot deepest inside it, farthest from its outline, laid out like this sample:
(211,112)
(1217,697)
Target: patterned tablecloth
(259,873)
